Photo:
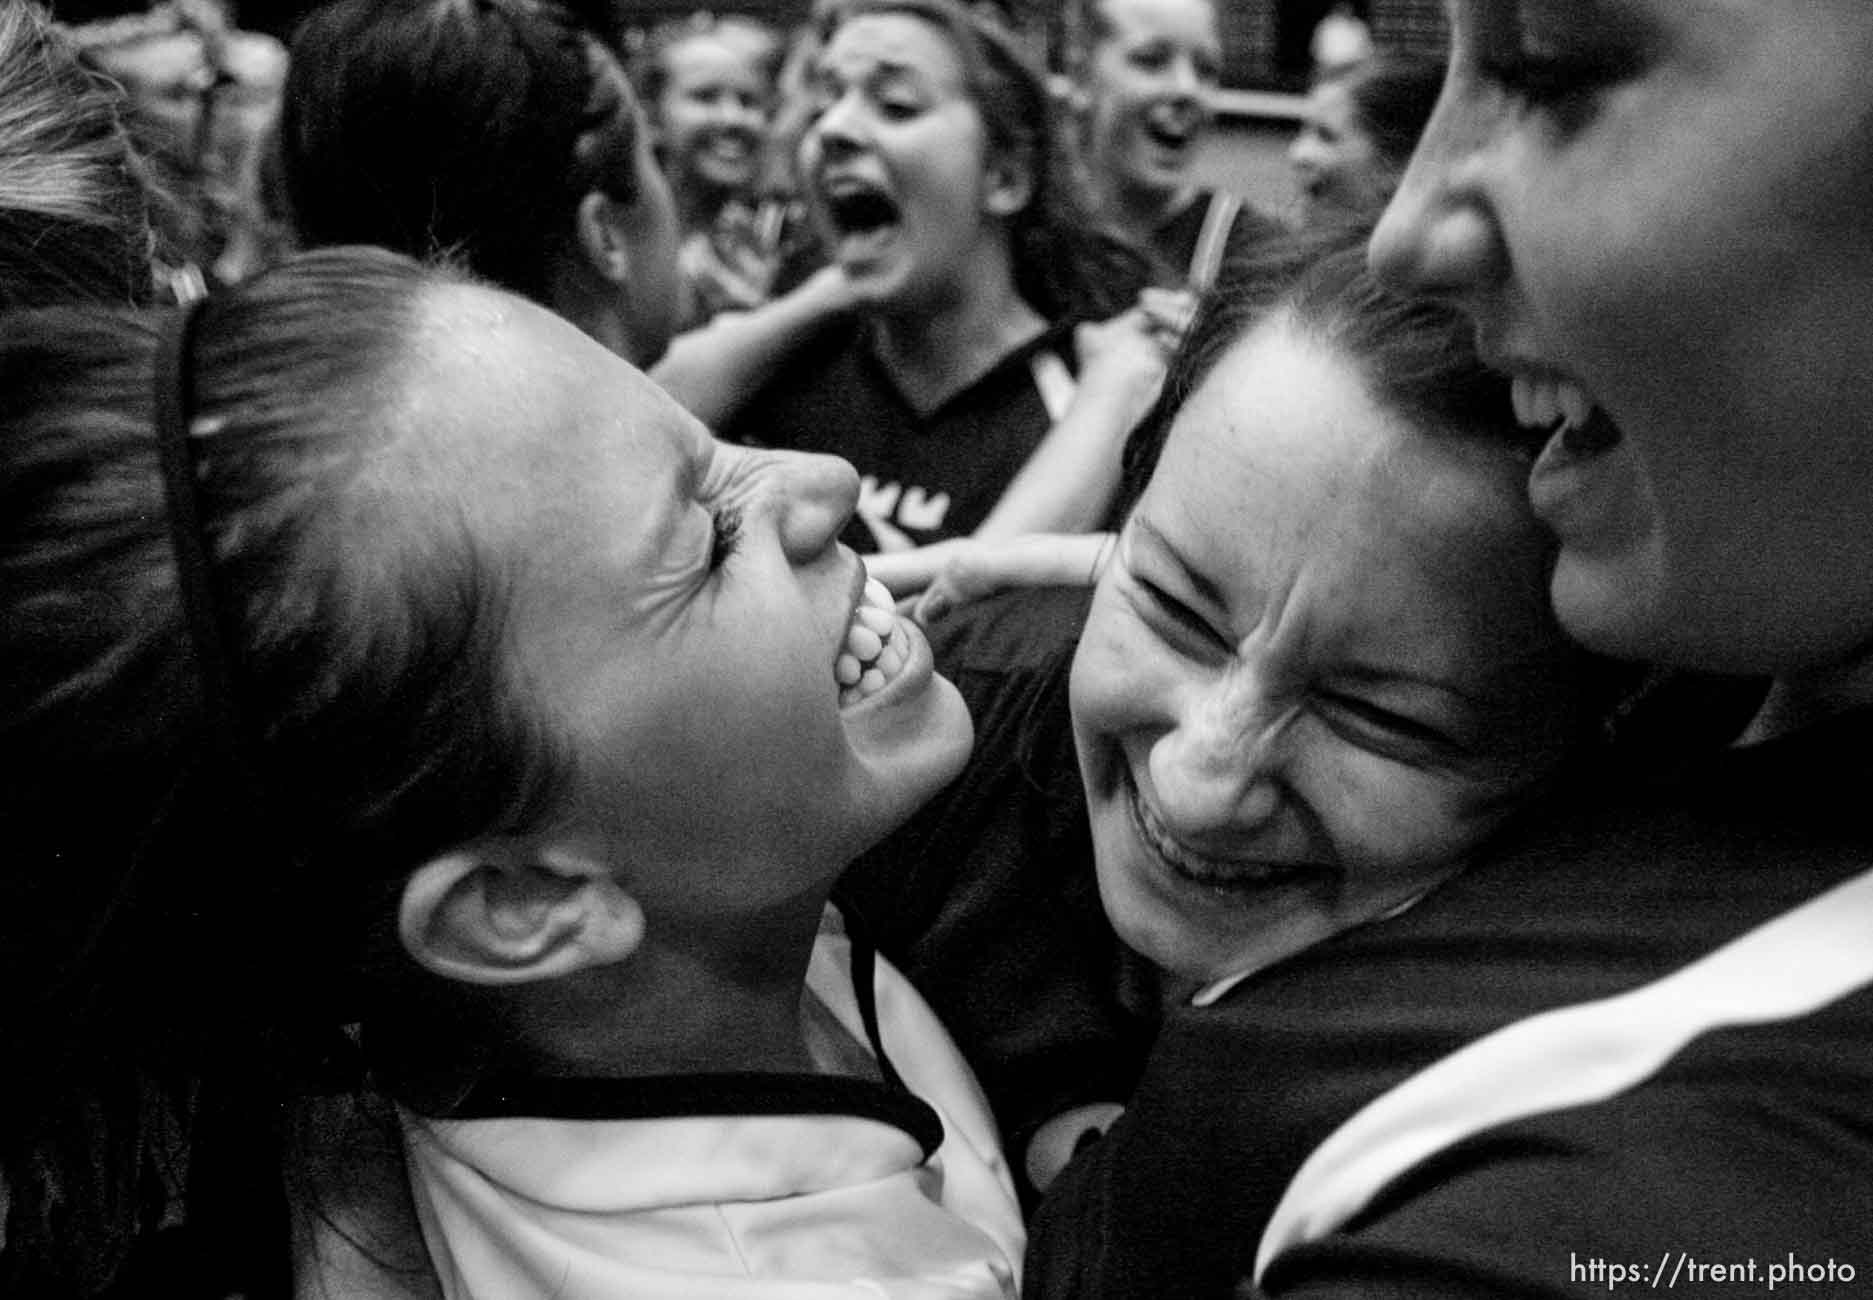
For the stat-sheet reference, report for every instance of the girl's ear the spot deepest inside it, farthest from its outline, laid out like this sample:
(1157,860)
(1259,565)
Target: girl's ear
(601,238)
(1010,186)
(507,914)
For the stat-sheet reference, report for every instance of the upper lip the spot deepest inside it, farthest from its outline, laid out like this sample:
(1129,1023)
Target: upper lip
(855,589)
(1495,349)
(1225,857)
(832,181)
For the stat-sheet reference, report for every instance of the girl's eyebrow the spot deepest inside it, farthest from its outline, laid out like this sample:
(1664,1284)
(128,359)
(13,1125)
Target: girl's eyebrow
(1206,590)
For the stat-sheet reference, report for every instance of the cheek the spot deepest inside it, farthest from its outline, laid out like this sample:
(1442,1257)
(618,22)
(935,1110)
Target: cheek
(1393,827)
(1117,673)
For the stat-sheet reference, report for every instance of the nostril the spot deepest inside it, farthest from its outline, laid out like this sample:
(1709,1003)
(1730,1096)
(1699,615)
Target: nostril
(1435,247)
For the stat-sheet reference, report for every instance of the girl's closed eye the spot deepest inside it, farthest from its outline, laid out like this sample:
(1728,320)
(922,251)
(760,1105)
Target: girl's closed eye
(1184,620)
(1385,730)
(725,537)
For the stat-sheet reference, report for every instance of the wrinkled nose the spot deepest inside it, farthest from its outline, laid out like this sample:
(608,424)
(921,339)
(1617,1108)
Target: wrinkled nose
(1218,771)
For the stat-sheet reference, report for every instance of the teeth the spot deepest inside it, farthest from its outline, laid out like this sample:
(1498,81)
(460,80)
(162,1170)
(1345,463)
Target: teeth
(1576,406)
(873,654)
(1223,877)
(878,621)
(1545,401)
(862,643)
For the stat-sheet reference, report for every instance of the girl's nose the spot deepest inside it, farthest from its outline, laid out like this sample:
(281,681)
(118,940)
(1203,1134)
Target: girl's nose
(1185,77)
(1218,771)
(837,127)
(1439,234)
(819,494)
(1304,150)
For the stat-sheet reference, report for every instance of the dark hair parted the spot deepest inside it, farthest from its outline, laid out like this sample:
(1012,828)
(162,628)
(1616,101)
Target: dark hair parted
(1068,262)
(162,901)
(1415,355)
(74,198)
(472,127)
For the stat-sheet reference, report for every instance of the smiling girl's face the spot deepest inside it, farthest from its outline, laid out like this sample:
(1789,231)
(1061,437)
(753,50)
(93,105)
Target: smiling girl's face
(1660,215)
(1321,671)
(1150,79)
(712,113)
(681,610)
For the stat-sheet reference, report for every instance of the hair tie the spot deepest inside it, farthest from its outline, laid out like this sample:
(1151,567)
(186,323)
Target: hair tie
(175,402)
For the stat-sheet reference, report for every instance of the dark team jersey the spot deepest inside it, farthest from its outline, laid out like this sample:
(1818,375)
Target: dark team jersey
(926,475)
(1703,1132)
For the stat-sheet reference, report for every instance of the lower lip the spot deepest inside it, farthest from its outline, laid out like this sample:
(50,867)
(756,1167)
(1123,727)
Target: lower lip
(1580,495)
(853,251)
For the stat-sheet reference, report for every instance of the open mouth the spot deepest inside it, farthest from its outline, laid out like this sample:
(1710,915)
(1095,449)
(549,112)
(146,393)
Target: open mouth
(1173,131)
(1226,876)
(874,651)
(862,216)
(736,147)
(1576,426)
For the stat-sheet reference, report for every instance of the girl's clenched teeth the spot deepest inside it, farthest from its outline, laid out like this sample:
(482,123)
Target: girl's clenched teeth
(873,653)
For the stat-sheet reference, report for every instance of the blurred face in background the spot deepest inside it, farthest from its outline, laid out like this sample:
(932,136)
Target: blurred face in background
(712,114)
(653,297)
(1337,164)
(1151,73)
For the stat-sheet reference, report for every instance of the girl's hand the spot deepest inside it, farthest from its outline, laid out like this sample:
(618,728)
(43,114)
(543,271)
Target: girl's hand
(974,569)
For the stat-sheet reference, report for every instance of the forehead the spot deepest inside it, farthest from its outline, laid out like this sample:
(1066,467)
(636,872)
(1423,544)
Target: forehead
(706,56)
(892,43)
(535,418)
(1137,20)
(1280,459)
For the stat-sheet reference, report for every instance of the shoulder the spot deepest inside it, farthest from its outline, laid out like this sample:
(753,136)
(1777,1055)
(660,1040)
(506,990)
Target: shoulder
(1671,1186)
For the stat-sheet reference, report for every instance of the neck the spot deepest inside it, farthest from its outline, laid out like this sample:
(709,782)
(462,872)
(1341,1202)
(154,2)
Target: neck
(698,204)
(589,302)
(1140,209)
(936,350)
(692,1000)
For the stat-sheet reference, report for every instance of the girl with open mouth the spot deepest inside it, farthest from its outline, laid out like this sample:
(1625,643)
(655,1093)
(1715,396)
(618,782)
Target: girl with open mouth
(1143,75)
(932,170)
